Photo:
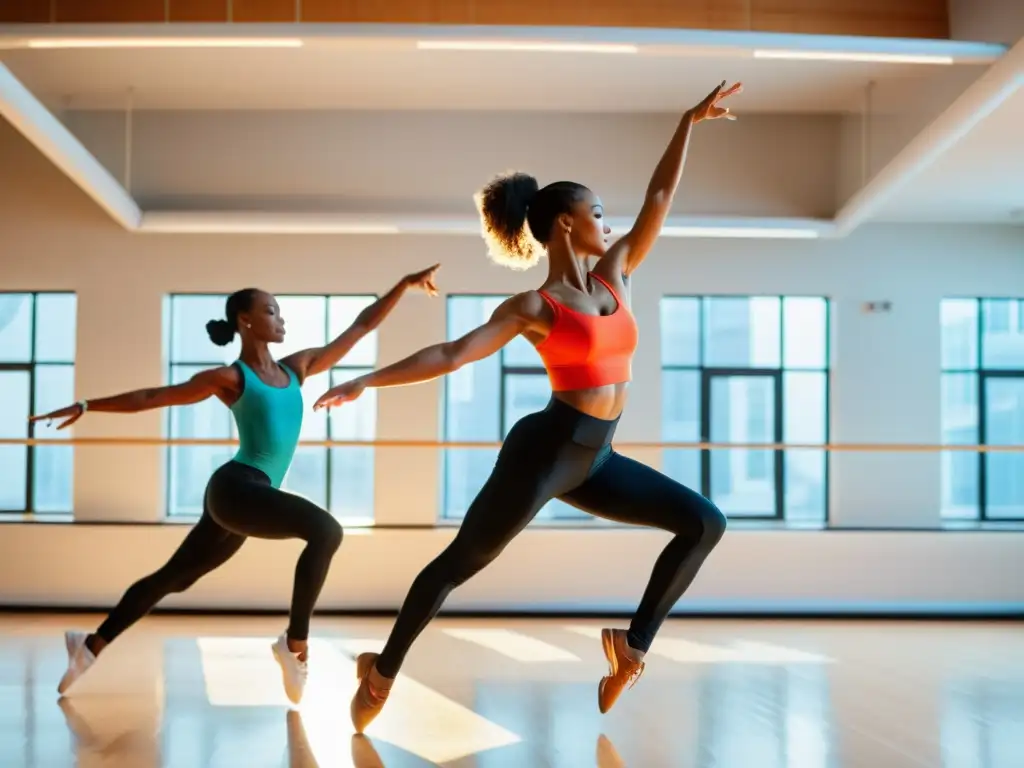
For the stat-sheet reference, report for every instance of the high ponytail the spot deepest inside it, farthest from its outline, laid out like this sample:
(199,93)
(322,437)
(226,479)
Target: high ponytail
(503,206)
(517,216)
(222,332)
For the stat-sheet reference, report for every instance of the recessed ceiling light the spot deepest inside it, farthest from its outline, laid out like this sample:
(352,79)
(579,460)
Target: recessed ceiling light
(165,42)
(885,58)
(509,45)
(747,232)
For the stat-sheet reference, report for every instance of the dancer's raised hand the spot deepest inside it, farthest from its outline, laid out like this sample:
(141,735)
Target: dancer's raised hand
(709,109)
(424,280)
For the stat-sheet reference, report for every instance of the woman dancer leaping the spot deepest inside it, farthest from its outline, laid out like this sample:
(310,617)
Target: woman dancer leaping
(243,497)
(581,324)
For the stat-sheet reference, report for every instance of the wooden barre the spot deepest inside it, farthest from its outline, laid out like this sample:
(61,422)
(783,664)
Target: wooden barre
(835,447)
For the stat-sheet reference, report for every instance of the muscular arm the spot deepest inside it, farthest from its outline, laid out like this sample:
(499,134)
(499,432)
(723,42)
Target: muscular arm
(509,320)
(309,362)
(629,251)
(220,382)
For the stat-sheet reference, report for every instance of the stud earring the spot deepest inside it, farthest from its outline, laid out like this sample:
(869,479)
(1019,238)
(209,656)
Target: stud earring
(248,325)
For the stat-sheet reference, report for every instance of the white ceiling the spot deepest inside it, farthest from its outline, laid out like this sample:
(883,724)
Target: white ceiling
(389,79)
(380,68)
(980,179)
(970,170)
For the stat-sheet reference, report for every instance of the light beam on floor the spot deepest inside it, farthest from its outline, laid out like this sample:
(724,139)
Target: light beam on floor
(514,645)
(426,723)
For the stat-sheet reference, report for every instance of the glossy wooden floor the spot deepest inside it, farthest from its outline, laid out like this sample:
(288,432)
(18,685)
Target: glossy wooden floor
(205,693)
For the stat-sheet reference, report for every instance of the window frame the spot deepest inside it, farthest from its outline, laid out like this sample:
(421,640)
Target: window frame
(982,376)
(171,364)
(30,367)
(708,373)
(504,371)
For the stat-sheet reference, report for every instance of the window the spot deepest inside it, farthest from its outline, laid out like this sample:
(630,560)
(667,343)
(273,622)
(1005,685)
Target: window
(339,479)
(982,404)
(37,374)
(482,402)
(748,370)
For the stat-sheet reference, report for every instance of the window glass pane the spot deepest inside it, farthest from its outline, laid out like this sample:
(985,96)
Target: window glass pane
(190,466)
(1004,425)
(959,323)
(741,332)
(680,329)
(15,327)
(524,394)
(465,472)
(805,493)
(305,322)
(352,467)
(14,394)
(805,325)
(742,410)
(52,464)
(960,469)
(520,353)
(190,343)
(473,392)
(307,475)
(680,392)
(804,396)
(55,327)
(1002,342)
(341,313)
(804,401)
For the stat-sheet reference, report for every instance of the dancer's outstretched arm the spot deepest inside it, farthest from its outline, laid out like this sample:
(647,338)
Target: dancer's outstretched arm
(514,316)
(626,253)
(309,362)
(221,382)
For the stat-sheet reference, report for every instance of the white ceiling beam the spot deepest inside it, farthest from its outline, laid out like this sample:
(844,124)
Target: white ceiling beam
(37,124)
(973,106)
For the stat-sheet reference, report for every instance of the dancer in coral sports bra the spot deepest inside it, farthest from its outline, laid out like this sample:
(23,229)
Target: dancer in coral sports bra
(581,324)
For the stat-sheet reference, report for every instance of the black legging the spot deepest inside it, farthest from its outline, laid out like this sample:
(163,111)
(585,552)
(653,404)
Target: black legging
(240,502)
(562,453)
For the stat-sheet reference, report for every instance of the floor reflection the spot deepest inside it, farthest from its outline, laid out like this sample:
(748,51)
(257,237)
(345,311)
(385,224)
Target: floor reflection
(205,693)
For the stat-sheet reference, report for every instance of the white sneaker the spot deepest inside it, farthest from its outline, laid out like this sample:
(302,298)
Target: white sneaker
(293,671)
(80,658)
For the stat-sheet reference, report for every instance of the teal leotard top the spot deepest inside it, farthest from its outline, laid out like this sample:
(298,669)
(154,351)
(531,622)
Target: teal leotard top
(269,421)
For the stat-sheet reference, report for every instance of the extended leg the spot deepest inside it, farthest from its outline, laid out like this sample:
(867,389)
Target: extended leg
(627,491)
(259,510)
(504,506)
(206,547)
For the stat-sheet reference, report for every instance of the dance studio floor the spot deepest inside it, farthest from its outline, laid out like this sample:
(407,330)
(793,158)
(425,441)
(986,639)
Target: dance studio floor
(205,693)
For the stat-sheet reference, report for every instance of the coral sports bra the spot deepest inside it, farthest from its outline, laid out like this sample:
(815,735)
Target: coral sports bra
(584,351)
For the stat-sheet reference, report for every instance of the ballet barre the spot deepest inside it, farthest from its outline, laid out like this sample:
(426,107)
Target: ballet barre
(628,444)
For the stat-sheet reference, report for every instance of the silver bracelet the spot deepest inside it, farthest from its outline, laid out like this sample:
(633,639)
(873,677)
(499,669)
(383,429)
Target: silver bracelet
(83,404)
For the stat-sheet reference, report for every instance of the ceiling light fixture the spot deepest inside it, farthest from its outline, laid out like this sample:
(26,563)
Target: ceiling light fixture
(535,47)
(746,232)
(165,42)
(863,56)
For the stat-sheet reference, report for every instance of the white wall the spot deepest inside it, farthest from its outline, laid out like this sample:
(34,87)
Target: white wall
(885,388)
(760,165)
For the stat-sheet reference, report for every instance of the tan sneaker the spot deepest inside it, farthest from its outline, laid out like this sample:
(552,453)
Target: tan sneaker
(372,693)
(625,665)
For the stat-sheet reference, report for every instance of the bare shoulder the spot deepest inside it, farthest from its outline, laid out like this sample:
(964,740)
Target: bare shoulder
(528,306)
(224,378)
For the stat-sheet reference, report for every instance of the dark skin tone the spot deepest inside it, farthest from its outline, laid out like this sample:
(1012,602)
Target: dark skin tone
(261,326)
(575,238)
